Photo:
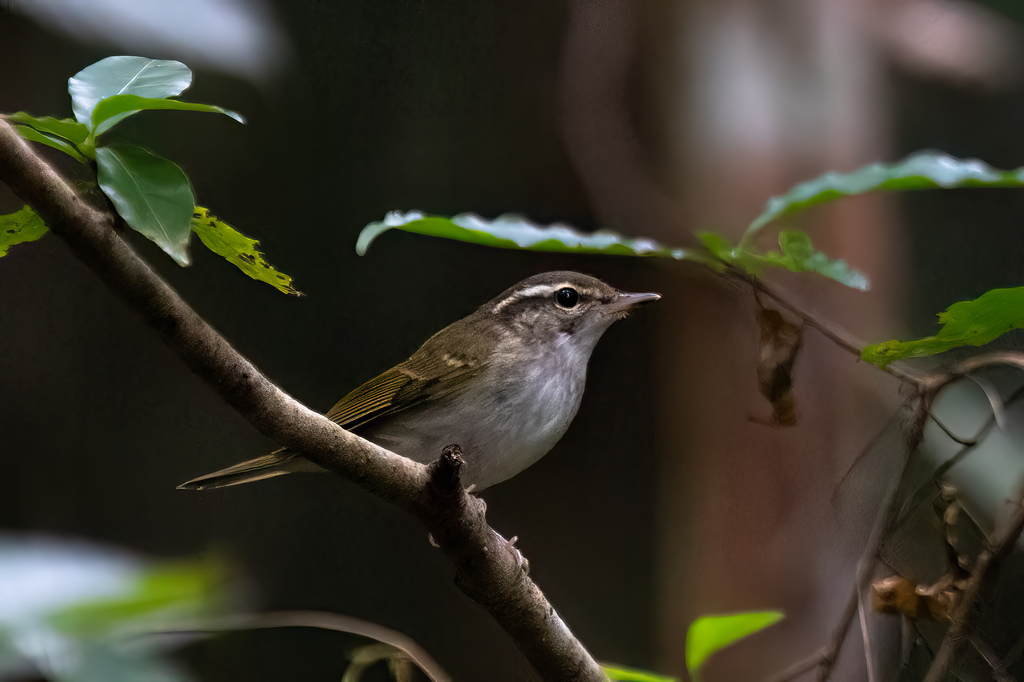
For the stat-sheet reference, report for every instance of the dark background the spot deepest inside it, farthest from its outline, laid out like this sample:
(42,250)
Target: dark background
(442,107)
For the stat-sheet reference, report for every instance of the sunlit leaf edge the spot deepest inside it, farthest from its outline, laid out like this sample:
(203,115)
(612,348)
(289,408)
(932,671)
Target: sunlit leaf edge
(921,170)
(512,231)
(239,250)
(963,323)
(705,636)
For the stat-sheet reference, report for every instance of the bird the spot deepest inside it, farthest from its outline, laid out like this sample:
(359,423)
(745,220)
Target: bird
(503,383)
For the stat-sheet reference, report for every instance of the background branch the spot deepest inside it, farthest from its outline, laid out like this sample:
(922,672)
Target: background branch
(488,569)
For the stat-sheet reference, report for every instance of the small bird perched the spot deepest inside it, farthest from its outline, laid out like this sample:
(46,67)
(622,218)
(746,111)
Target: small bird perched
(503,383)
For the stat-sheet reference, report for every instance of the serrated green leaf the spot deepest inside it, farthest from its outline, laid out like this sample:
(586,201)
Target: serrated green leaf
(58,143)
(238,249)
(511,231)
(116,105)
(618,673)
(67,128)
(20,227)
(710,634)
(151,193)
(797,254)
(156,78)
(923,170)
(966,323)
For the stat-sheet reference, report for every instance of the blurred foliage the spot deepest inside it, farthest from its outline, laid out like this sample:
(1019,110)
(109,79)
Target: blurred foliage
(72,611)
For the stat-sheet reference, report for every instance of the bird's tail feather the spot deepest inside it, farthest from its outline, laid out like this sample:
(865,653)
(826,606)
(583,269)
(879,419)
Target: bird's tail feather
(275,464)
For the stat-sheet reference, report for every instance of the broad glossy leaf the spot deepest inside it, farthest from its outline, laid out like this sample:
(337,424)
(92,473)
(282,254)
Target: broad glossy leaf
(124,75)
(20,227)
(967,323)
(618,673)
(68,128)
(58,143)
(238,249)
(923,170)
(796,254)
(511,231)
(120,104)
(710,634)
(151,193)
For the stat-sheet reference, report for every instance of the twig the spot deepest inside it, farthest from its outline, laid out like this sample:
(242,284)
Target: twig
(312,619)
(824,328)
(488,570)
(862,616)
(964,618)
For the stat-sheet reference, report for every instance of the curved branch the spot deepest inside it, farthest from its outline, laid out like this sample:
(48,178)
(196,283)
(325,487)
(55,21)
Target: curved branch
(488,569)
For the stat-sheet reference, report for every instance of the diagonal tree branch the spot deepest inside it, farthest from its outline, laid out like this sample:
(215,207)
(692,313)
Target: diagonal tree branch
(488,569)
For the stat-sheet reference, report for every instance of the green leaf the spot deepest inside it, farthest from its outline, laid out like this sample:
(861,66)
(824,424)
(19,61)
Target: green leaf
(58,143)
(710,634)
(20,227)
(176,589)
(923,170)
(238,249)
(511,231)
(122,75)
(617,673)
(117,105)
(67,128)
(967,323)
(797,254)
(151,193)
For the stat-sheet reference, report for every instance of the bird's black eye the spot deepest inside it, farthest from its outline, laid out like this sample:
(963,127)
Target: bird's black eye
(567,297)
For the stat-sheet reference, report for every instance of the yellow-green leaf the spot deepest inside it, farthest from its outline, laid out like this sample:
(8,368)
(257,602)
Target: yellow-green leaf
(238,249)
(966,323)
(618,673)
(20,227)
(709,634)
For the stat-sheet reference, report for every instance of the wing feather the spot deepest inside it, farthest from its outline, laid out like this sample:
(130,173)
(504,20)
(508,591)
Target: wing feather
(400,388)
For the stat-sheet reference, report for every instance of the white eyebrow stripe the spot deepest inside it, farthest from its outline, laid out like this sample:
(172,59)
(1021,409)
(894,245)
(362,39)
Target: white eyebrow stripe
(537,290)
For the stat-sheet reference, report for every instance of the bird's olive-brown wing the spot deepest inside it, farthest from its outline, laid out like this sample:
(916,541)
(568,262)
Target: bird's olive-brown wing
(415,381)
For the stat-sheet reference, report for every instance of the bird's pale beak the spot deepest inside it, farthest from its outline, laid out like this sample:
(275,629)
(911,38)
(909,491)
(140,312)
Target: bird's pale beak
(628,300)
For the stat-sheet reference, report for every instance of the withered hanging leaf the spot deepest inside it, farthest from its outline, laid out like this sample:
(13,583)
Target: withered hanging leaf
(779,344)
(899,595)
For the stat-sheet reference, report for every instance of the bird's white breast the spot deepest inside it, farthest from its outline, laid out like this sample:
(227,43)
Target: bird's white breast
(504,422)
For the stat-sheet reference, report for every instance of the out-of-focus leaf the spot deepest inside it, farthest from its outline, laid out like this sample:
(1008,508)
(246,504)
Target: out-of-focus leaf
(238,249)
(797,254)
(58,143)
(618,673)
(967,323)
(67,128)
(515,232)
(709,634)
(923,170)
(121,75)
(20,227)
(151,193)
(116,105)
(164,591)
